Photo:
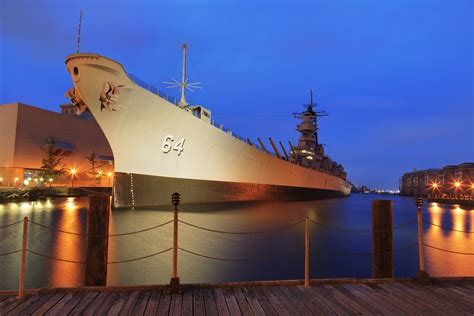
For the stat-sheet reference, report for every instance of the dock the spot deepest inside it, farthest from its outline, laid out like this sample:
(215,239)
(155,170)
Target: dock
(322,297)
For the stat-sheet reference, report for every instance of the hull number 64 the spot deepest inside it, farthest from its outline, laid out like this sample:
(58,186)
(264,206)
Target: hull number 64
(169,144)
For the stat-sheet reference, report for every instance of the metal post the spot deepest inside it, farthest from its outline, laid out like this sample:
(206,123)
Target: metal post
(21,289)
(306,254)
(422,276)
(175,242)
(174,282)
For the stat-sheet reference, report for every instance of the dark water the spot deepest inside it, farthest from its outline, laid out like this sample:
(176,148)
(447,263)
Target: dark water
(283,250)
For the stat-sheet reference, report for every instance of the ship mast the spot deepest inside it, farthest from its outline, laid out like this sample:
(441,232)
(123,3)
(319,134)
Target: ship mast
(79,33)
(183,84)
(182,101)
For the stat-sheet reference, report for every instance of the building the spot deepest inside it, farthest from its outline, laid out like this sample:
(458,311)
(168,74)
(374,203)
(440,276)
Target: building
(450,181)
(24,130)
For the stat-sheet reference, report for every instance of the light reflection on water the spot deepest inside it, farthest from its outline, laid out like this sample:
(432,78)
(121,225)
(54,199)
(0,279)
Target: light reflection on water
(287,246)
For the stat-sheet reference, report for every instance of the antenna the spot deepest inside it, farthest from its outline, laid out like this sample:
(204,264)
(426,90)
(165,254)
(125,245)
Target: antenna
(183,85)
(79,33)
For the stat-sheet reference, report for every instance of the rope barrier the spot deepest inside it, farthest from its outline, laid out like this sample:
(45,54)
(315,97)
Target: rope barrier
(447,228)
(110,235)
(241,233)
(361,231)
(9,253)
(11,224)
(54,258)
(343,253)
(266,258)
(140,231)
(140,258)
(450,251)
(56,229)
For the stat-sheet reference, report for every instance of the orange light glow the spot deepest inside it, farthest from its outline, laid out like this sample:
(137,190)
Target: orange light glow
(73,171)
(457,184)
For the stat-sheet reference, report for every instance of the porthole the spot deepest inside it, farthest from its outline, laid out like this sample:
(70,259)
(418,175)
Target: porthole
(76,71)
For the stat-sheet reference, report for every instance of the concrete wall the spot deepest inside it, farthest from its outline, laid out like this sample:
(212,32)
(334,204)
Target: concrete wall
(24,129)
(8,124)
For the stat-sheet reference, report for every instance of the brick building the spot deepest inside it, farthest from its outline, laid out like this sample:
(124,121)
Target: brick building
(450,181)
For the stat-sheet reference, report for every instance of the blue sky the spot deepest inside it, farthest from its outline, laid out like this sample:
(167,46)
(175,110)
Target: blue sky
(395,76)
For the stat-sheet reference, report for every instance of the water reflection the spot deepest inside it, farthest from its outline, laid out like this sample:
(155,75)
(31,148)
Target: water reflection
(439,263)
(354,213)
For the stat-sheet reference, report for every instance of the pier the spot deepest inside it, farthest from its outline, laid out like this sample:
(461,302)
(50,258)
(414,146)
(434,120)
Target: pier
(332,296)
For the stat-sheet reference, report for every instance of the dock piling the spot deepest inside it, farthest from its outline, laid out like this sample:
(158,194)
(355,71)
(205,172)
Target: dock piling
(97,240)
(21,287)
(306,254)
(382,239)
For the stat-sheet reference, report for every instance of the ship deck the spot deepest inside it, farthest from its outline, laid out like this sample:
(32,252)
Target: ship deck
(443,296)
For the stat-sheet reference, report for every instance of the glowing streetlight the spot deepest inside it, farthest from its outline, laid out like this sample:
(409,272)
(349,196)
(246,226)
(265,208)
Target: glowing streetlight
(73,172)
(50,182)
(457,184)
(15,180)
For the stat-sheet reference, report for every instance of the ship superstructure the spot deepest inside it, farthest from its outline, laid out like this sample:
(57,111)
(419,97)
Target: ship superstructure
(161,145)
(309,151)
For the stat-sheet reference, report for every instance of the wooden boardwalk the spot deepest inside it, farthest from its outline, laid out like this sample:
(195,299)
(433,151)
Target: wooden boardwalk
(447,297)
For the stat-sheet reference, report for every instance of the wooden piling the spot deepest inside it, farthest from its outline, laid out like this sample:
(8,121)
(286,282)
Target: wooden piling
(382,239)
(97,240)
(306,253)
(24,242)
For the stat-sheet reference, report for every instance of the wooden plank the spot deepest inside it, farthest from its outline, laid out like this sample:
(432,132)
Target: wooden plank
(4,297)
(242,302)
(153,303)
(165,302)
(232,304)
(287,304)
(47,305)
(142,302)
(351,301)
(96,303)
(274,301)
(7,301)
(368,299)
(176,304)
(210,301)
(295,299)
(130,303)
(5,309)
(337,306)
(416,303)
(249,294)
(316,303)
(187,306)
(60,305)
(198,302)
(107,304)
(20,308)
(118,304)
(263,301)
(34,305)
(222,309)
(428,304)
(393,300)
(85,301)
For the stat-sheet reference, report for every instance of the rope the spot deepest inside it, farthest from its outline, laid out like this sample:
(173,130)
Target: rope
(238,260)
(54,258)
(241,233)
(9,253)
(140,258)
(450,251)
(56,229)
(362,231)
(141,231)
(447,228)
(342,253)
(11,224)
(111,235)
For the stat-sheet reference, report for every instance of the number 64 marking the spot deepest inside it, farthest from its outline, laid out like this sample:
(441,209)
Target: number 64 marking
(167,145)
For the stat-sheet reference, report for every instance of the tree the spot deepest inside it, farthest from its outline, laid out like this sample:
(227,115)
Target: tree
(94,163)
(51,162)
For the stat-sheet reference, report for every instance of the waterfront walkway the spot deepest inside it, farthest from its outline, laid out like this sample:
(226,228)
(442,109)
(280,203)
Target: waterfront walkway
(330,297)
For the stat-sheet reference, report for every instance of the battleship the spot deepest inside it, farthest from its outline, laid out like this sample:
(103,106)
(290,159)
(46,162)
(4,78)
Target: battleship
(162,145)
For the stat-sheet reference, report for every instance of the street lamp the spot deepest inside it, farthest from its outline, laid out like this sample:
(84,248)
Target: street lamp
(457,186)
(50,182)
(73,174)
(15,181)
